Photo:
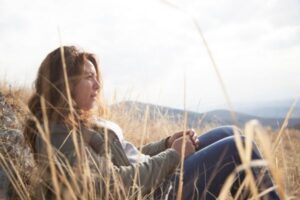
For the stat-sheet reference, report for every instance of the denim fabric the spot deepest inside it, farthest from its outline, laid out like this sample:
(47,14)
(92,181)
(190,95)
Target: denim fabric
(206,171)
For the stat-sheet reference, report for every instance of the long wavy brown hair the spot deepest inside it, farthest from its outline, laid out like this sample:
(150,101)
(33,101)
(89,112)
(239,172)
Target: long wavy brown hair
(52,87)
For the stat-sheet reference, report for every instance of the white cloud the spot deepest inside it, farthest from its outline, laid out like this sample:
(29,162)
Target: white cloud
(147,45)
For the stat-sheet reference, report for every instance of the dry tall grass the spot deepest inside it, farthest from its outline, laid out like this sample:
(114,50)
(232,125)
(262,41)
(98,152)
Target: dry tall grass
(283,161)
(279,148)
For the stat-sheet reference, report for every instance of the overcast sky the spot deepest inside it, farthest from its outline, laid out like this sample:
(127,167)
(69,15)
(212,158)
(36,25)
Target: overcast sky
(146,46)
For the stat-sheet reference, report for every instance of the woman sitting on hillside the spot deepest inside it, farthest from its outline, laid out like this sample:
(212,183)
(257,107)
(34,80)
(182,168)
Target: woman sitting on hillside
(83,156)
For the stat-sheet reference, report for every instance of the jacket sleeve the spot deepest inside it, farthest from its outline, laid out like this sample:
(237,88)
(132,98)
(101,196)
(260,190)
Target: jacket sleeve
(154,148)
(151,172)
(106,176)
(145,176)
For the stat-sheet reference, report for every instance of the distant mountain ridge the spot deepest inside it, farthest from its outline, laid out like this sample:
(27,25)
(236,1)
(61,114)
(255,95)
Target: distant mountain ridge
(198,120)
(271,109)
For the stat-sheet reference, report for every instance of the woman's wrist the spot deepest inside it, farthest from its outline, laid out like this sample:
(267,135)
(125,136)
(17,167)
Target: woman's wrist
(168,142)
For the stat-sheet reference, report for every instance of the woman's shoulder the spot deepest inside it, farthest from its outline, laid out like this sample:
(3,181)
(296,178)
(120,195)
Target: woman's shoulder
(58,134)
(110,125)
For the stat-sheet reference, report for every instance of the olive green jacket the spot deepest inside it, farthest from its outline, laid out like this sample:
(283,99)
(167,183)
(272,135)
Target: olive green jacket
(108,168)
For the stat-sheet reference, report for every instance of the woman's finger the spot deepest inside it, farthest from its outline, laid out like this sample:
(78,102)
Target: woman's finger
(194,138)
(191,132)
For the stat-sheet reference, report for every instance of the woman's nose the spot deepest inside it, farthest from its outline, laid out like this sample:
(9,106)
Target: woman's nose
(96,84)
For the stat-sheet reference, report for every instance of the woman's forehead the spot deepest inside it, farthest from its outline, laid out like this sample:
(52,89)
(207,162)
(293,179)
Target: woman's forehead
(89,67)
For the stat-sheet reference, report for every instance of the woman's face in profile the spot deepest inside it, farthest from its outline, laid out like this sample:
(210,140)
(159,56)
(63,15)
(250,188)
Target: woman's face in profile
(87,88)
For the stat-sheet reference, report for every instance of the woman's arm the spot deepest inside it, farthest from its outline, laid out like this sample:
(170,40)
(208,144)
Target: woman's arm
(159,146)
(143,177)
(152,172)
(154,148)
(149,173)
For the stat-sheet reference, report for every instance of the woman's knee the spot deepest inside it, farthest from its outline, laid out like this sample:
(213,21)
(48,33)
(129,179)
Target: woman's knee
(233,145)
(229,130)
(217,134)
(233,141)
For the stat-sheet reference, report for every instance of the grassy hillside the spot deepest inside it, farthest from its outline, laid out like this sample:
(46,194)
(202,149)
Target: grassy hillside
(284,159)
(199,120)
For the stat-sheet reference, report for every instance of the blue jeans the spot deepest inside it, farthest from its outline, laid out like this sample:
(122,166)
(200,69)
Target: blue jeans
(206,171)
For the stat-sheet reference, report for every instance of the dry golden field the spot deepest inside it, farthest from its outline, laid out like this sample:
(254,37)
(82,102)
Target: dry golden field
(284,158)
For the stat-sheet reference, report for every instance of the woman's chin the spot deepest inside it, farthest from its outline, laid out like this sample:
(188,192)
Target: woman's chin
(87,108)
